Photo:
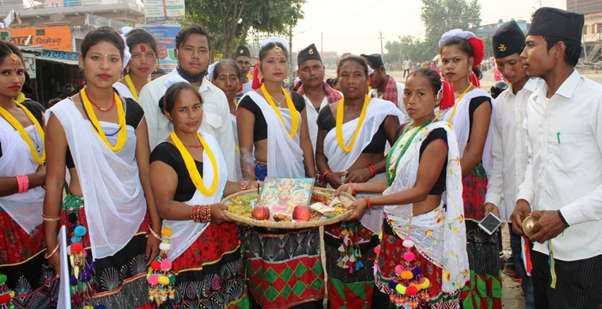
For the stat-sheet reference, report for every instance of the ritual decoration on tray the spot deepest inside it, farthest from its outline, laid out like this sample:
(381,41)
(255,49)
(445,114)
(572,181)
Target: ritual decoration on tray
(288,203)
(161,276)
(6,294)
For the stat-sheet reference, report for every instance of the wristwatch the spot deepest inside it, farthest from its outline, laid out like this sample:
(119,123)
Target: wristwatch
(566,225)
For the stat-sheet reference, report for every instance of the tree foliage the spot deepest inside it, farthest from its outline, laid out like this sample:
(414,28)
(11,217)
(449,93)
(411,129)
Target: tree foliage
(440,16)
(229,21)
(407,46)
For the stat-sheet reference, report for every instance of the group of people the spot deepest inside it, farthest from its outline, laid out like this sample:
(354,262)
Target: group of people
(127,163)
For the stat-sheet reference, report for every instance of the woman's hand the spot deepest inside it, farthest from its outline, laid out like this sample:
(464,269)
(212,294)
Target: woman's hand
(55,262)
(359,175)
(348,187)
(358,207)
(217,213)
(152,248)
(256,184)
(334,179)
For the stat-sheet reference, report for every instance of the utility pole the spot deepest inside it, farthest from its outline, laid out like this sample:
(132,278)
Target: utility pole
(322,45)
(380,33)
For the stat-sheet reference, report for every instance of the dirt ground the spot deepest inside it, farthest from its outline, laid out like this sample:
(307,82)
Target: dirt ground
(511,290)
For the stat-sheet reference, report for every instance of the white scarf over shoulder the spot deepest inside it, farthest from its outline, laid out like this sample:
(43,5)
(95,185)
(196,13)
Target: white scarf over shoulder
(185,233)
(440,235)
(25,208)
(340,161)
(285,156)
(461,124)
(113,197)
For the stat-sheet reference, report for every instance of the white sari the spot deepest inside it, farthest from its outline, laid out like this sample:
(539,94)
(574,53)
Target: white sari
(25,208)
(113,197)
(185,233)
(285,156)
(340,161)
(461,124)
(439,235)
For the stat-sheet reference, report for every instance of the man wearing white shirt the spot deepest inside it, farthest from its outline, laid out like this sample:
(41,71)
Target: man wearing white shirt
(314,90)
(384,86)
(563,180)
(509,140)
(406,67)
(193,48)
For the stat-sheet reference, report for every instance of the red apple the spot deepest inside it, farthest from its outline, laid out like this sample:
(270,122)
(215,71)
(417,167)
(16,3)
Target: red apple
(301,213)
(261,213)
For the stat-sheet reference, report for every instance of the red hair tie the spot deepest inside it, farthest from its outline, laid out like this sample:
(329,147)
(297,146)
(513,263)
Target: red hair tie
(448,98)
(256,82)
(478,51)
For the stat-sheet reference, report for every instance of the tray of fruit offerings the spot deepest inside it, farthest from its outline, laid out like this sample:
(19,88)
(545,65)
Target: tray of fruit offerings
(325,208)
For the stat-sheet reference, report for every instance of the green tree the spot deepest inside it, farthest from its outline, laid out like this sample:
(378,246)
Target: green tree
(229,21)
(440,16)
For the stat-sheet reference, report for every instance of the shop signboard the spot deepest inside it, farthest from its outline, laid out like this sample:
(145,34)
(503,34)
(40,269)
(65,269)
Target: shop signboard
(30,64)
(166,43)
(163,11)
(55,37)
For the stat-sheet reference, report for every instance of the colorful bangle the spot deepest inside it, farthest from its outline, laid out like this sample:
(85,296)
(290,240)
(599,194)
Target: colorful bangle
(23,182)
(48,256)
(324,173)
(155,234)
(367,198)
(372,170)
(244,185)
(201,213)
(352,189)
(50,218)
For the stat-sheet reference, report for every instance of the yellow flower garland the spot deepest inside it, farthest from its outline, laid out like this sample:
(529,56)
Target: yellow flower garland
(339,124)
(291,108)
(121,135)
(130,83)
(17,125)
(191,166)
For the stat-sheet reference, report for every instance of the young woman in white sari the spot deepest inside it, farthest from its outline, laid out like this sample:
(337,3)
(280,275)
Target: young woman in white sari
(353,144)
(102,140)
(273,121)
(22,173)
(205,247)
(140,60)
(423,228)
(470,116)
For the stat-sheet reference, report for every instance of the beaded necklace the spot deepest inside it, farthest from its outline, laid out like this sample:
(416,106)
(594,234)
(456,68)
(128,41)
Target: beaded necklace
(291,107)
(339,123)
(193,172)
(40,159)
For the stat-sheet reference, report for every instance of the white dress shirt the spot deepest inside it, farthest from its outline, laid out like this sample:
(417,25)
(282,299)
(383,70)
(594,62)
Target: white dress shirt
(312,118)
(509,147)
(216,117)
(565,164)
(374,94)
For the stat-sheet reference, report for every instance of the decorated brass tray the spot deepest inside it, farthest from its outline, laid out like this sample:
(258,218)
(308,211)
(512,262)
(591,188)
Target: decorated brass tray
(325,208)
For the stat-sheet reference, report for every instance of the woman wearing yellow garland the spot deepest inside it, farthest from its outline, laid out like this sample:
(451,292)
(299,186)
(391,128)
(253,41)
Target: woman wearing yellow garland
(103,141)
(140,59)
(22,173)
(205,248)
(273,122)
(353,144)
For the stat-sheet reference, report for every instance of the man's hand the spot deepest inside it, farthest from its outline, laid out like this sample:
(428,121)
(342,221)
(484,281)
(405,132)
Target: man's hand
(489,207)
(548,226)
(519,214)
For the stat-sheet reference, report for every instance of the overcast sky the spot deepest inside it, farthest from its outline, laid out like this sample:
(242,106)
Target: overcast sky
(353,25)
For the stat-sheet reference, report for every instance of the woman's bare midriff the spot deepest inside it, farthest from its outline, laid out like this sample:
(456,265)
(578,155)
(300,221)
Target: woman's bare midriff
(74,187)
(428,205)
(261,150)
